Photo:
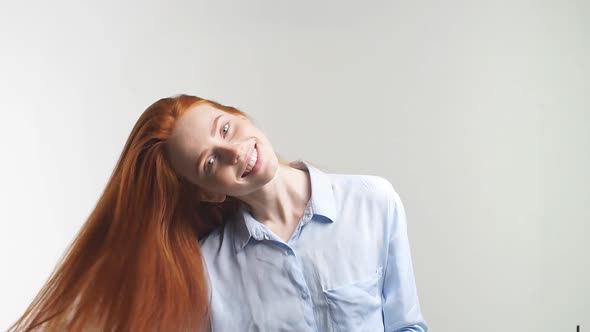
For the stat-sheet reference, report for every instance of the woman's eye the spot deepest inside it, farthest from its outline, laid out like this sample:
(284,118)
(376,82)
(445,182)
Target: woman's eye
(210,163)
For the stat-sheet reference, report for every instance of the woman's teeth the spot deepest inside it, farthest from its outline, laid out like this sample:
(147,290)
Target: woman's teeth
(251,163)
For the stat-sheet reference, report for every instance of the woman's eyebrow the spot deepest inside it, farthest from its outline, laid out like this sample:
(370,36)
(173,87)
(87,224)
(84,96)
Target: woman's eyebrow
(215,125)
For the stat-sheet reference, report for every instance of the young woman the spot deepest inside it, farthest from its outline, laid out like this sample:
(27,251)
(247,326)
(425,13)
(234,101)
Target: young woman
(203,227)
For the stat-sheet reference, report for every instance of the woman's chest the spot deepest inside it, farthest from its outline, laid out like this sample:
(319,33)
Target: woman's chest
(323,282)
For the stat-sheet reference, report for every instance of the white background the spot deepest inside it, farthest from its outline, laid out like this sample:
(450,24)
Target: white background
(477,111)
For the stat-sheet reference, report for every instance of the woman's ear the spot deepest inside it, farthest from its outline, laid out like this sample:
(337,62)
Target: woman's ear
(208,196)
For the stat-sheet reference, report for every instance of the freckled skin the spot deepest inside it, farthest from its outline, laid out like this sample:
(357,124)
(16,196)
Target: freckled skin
(228,155)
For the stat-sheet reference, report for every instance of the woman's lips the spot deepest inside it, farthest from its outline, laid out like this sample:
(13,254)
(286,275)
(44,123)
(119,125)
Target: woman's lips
(258,161)
(248,161)
(256,165)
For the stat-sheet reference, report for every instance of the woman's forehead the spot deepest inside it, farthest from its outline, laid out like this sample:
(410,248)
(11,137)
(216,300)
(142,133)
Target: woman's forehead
(196,121)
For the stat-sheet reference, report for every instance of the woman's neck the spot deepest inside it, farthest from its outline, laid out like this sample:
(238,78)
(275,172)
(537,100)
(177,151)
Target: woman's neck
(282,200)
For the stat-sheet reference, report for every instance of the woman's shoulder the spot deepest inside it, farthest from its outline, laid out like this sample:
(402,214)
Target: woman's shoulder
(361,189)
(367,184)
(212,239)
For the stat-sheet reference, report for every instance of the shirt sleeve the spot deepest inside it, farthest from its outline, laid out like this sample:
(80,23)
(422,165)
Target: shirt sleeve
(401,309)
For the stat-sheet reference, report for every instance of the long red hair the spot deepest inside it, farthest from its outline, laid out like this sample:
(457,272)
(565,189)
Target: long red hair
(136,264)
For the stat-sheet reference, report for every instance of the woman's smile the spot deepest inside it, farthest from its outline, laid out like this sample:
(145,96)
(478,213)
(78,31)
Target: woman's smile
(253,163)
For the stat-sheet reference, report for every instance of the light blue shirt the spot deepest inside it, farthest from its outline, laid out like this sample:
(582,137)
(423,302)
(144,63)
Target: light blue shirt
(347,266)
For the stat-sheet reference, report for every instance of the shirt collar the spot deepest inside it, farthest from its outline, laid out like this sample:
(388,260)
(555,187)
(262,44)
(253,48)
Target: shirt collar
(322,205)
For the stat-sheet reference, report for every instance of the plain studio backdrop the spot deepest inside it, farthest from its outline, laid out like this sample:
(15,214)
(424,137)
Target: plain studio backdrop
(478,112)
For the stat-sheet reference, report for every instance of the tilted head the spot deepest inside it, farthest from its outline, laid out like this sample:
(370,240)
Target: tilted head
(220,150)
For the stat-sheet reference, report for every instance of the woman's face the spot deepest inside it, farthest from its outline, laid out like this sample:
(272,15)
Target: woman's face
(212,149)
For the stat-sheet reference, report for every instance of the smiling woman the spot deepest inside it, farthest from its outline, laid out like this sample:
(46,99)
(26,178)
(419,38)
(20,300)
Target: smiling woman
(213,149)
(202,227)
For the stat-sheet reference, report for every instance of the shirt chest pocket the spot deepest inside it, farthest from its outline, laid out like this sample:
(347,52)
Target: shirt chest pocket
(357,306)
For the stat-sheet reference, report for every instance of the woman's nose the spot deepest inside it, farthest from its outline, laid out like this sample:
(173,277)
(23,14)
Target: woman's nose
(232,152)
